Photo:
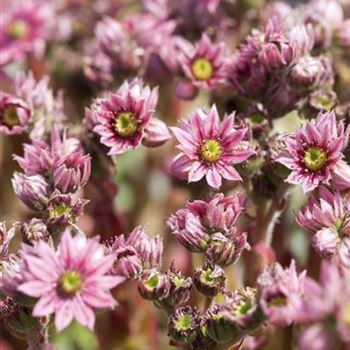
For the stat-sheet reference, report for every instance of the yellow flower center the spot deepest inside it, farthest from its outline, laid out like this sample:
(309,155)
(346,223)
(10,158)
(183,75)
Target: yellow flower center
(315,158)
(210,150)
(125,125)
(202,69)
(10,116)
(18,29)
(70,283)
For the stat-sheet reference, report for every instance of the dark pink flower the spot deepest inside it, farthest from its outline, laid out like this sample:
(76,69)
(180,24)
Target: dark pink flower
(71,282)
(203,63)
(314,151)
(122,119)
(209,148)
(14,114)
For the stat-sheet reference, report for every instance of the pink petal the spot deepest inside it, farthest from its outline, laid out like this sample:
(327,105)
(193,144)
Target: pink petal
(99,299)
(45,306)
(213,178)
(228,172)
(64,315)
(35,288)
(83,314)
(197,172)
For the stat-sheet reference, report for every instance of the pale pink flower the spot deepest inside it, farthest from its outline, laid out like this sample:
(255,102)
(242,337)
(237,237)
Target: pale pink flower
(70,282)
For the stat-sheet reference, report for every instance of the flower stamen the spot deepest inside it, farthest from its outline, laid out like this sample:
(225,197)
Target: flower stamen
(125,125)
(210,150)
(18,29)
(315,158)
(70,283)
(202,69)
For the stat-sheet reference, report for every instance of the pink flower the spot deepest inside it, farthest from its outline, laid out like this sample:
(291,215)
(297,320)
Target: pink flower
(209,148)
(123,118)
(328,218)
(203,63)
(62,162)
(14,114)
(23,29)
(71,282)
(281,293)
(314,151)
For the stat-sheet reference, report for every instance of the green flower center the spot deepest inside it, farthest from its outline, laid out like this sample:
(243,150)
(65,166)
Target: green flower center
(210,150)
(277,301)
(183,322)
(346,315)
(315,158)
(125,125)
(207,277)
(202,69)
(152,282)
(70,283)
(10,117)
(178,282)
(59,210)
(18,29)
(241,308)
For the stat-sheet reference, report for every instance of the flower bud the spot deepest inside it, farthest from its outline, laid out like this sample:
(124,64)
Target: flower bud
(189,230)
(225,251)
(184,324)
(219,328)
(185,90)
(62,210)
(209,280)
(242,308)
(30,189)
(276,55)
(154,285)
(306,72)
(127,263)
(157,133)
(34,230)
(180,288)
(326,241)
(16,317)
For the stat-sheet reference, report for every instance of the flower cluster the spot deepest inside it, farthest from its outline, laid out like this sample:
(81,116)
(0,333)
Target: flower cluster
(221,125)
